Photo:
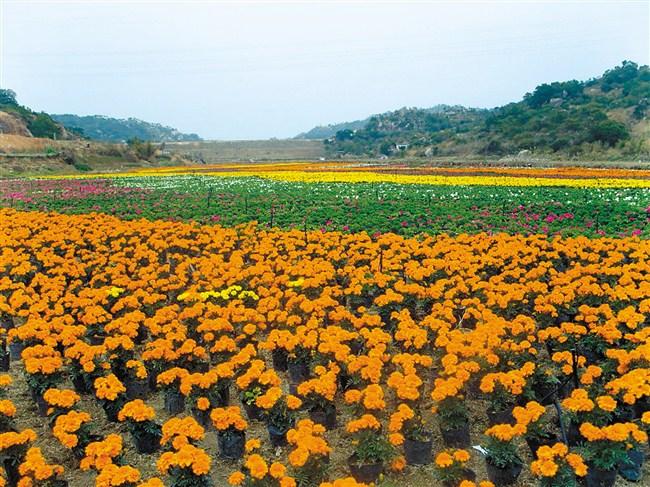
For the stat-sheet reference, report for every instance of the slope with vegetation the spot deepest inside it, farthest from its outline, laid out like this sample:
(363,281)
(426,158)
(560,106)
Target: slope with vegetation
(603,116)
(99,127)
(19,120)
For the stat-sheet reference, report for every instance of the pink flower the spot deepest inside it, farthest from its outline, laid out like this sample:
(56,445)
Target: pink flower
(215,218)
(636,231)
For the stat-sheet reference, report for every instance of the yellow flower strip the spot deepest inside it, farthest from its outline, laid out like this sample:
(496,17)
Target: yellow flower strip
(369,177)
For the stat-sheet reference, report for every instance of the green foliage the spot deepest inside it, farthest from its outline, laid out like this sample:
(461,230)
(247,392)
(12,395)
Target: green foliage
(404,209)
(143,150)
(39,124)
(97,127)
(502,454)
(43,126)
(452,413)
(560,117)
(372,447)
(8,98)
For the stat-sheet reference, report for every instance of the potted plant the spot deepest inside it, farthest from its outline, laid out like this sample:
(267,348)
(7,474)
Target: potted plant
(43,366)
(13,447)
(172,382)
(118,475)
(503,390)
(7,407)
(318,396)
(100,453)
(298,362)
(35,471)
(451,467)
(533,418)
(146,433)
(502,459)
(279,413)
(136,380)
(85,365)
(257,472)
(231,431)
(606,448)
(111,392)
(73,431)
(188,466)
(544,383)
(371,448)
(580,408)
(59,402)
(253,383)
(453,419)
(309,455)
(556,467)
(177,432)
(407,428)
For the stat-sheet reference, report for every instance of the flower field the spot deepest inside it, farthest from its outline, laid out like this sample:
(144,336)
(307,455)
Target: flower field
(405,209)
(213,329)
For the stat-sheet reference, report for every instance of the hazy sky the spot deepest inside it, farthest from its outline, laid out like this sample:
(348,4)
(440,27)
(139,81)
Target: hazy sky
(242,70)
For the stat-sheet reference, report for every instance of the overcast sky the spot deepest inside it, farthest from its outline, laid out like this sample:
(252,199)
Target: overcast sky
(245,70)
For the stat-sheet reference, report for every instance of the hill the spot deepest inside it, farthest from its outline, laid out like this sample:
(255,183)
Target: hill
(16,119)
(99,127)
(604,115)
(326,131)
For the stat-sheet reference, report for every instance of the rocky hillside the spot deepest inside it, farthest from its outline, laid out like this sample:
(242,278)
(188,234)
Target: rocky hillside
(16,119)
(607,115)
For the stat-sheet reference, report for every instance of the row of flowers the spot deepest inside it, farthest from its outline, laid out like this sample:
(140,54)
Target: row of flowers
(386,342)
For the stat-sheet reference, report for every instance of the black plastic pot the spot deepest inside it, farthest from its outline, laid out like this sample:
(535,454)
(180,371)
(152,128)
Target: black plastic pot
(574,437)
(298,372)
(456,438)
(96,339)
(253,412)
(545,393)
(41,405)
(467,474)
(153,379)
(641,406)
(600,478)
(112,410)
(5,361)
(202,417)
(344,380)
(535,443)
(80,384)
(503,476)
(277,436)
(174,402)
(417,452)
(279,359)
(326,417)
(231,444)
(632,469)
(366,473)
(500,417)
(137,389)
(142,335)
(11,466)
(15,350)
(221,399)
(147,442)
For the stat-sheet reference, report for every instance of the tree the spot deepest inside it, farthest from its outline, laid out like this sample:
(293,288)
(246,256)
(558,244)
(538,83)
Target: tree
(609,132)
(43,126)
(8,97)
